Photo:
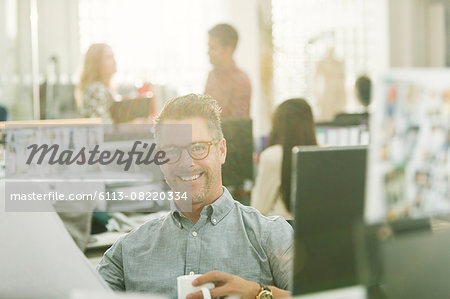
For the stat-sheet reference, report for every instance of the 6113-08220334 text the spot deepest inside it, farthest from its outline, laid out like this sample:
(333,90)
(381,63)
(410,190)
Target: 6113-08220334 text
(100,195)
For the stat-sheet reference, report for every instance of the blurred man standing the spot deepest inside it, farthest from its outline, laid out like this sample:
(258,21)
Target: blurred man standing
(226,82)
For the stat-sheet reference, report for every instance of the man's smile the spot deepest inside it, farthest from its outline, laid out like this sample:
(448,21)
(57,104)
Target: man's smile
(190,178)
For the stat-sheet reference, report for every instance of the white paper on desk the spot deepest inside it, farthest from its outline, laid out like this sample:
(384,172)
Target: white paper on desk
(38,257)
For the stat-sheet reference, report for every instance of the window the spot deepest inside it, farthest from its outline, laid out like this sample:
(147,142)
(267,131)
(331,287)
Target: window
(305,30)
(162,42)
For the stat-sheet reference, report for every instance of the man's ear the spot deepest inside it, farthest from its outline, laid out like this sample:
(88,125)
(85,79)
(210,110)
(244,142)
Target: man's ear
(230,50)
(223,150)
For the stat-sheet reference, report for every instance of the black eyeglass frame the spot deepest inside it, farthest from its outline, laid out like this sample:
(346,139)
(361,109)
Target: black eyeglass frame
(188,149)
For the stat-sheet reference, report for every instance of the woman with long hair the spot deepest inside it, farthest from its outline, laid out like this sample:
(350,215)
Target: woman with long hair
(93,93)
(292,125)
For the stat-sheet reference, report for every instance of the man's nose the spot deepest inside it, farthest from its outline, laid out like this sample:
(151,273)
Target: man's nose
(185,159)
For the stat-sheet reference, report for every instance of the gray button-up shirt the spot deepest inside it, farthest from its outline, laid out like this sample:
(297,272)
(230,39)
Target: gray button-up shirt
(228,237)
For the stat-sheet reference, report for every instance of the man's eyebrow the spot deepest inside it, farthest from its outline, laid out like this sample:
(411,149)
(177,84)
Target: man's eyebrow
(169,146)
(178,146)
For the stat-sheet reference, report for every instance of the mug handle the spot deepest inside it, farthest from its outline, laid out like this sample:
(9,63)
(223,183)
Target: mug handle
(206,293)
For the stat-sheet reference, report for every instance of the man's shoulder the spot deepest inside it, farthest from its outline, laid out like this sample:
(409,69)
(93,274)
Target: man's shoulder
(266,223)
(272,232)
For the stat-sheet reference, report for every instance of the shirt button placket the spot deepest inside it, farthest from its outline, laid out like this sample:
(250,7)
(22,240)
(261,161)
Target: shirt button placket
(193,251)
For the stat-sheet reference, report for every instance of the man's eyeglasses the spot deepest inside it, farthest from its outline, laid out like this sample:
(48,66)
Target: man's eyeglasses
(197,150)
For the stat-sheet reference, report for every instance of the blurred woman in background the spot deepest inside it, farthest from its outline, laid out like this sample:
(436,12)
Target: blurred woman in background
(292,125)
(93,93)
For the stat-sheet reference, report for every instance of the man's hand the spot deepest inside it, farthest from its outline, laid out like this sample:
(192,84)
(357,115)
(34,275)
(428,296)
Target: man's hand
(226,285)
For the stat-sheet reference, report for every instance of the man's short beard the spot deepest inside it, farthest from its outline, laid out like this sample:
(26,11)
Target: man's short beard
(202,195)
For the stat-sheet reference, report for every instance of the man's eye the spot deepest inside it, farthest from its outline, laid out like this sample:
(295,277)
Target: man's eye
(198,148)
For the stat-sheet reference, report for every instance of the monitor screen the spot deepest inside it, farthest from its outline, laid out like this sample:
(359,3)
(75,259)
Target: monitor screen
(239,162)
(328,198)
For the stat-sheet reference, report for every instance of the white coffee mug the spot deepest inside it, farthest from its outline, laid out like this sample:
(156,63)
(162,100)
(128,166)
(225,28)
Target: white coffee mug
(185,286)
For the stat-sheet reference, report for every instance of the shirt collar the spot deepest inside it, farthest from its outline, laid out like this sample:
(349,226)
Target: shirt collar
(176,214)
(218,209)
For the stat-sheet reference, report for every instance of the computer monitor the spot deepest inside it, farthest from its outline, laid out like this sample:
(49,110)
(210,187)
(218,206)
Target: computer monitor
(239,162)
(405,259)
(328,199)
(415,266)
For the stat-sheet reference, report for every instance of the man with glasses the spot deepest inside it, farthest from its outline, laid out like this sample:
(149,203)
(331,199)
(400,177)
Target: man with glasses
(242,252)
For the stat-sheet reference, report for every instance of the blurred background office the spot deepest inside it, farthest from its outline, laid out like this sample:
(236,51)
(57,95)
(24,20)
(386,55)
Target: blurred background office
(287,48)
(58,61)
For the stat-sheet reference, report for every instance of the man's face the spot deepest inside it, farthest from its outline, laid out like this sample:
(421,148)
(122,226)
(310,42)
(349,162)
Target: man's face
(218,53)
(201,177)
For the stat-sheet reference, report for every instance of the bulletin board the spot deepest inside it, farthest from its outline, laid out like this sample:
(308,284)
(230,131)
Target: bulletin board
(409,157)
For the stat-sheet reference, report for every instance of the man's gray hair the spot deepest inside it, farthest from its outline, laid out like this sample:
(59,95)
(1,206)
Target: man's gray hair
(190,106)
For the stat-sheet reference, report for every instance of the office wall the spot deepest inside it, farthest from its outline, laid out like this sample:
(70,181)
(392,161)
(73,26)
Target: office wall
(8,45)
(15,58)
(417,33)
(58,35)
(436,37)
